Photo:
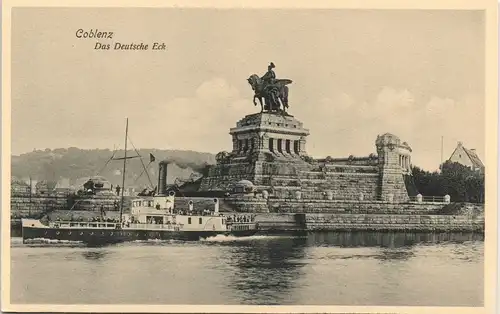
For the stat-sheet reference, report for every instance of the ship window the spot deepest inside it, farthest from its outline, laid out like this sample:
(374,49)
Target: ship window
(201,220)
(189,220)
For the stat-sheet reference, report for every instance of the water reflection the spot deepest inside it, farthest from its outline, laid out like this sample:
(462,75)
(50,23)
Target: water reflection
(402,254)
(266,270)
(386,239)
(94,255)
(342,268)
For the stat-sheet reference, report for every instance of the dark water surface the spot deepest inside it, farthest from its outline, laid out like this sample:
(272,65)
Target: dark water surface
(322,269)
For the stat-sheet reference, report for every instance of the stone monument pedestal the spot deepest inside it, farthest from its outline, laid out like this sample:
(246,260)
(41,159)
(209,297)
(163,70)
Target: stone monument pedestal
(264,145)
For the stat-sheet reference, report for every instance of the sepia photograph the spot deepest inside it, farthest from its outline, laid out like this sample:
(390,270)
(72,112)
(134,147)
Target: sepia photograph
(250,157)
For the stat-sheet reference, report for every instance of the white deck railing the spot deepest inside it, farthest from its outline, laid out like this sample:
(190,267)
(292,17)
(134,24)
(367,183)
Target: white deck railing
(176,227)
(74,224)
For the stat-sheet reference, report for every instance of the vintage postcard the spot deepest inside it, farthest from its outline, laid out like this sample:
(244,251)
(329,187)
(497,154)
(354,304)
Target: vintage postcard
(250,156)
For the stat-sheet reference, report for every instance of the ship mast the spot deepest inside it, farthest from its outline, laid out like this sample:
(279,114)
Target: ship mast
(123,178)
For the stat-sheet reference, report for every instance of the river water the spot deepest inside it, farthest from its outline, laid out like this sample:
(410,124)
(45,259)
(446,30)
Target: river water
(321,269)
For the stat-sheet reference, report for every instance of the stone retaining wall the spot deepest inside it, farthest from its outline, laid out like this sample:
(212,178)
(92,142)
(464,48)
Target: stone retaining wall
(247,204)
(221,176)
(26,213)
(37,203)
(277,222)
(394,222)
(345,206)
(22,206)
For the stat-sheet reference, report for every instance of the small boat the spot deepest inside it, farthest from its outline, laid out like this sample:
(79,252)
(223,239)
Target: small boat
(151,217)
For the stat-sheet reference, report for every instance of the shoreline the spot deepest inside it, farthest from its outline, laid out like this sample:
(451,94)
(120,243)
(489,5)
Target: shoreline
(342,222)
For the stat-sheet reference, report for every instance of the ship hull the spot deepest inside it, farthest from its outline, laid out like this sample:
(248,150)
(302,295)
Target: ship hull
(112,236)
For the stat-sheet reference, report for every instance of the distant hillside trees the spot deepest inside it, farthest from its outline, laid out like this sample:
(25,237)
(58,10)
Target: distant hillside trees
(74,163)
(456,180)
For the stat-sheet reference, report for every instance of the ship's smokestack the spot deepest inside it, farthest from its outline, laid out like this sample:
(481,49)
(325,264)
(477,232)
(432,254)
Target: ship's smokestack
(162,178)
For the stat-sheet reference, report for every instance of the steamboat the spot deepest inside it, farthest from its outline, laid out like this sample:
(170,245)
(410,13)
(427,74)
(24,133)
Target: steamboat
(151,217)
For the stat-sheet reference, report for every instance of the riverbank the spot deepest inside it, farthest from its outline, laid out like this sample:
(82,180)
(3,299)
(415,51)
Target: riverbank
(461,217)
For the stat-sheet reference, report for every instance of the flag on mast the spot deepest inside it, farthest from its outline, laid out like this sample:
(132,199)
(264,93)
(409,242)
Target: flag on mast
(151,157)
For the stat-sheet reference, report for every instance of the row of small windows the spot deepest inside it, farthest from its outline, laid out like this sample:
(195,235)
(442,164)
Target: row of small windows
(279,146)
(200,220)
(250,144)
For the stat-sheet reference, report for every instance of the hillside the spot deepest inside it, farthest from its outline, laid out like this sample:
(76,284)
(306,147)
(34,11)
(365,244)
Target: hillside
(68,165)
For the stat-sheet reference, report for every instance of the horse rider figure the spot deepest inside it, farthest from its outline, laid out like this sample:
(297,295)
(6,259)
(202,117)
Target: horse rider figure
(270,89)
(270,77)
(269,80)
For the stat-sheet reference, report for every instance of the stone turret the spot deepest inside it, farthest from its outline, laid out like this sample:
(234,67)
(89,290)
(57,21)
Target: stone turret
(394,160)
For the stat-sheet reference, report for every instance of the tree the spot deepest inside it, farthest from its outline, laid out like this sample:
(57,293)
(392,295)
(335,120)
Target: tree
(456,180)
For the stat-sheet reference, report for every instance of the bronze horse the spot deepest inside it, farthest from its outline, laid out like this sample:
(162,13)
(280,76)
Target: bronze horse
(274,95)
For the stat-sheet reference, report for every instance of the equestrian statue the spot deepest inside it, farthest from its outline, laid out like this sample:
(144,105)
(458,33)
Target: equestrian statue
(273,91)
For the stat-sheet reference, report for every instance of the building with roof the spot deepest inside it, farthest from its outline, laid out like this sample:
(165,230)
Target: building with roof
(467,157)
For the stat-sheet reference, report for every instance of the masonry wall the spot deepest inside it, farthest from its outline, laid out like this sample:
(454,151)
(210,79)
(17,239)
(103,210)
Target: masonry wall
(221,176)
(337,181)
(413,218)
(247,204)
(374,222)
(24,206)
(365,178)
(277,222)
(339,206)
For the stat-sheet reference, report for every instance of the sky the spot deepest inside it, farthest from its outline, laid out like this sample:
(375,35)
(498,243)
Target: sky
(418,74)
